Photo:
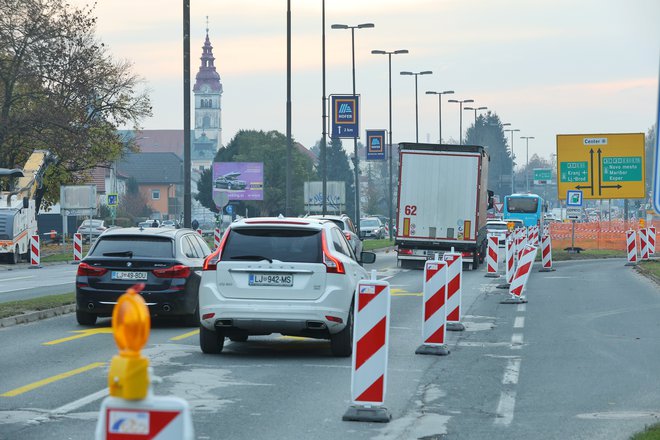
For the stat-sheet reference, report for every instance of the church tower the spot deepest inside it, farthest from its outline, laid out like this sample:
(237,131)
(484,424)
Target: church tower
(208,110)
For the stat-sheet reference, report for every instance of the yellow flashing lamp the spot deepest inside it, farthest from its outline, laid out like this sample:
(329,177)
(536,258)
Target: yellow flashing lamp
(128,377)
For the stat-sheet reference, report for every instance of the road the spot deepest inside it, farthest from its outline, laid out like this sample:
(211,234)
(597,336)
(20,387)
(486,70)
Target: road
(578,361)
(21,282)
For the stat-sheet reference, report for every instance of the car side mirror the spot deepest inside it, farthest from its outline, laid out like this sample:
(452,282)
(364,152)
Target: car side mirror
(367,257)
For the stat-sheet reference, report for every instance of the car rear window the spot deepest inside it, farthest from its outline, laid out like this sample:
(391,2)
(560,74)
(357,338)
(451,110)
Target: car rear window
(292,245)
(339,223)
(496,226)
(157,247)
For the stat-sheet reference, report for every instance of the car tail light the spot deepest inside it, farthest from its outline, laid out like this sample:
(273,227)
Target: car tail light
(211,261)
(466,254)
(177,271)
(85,270)
(347,235)
(332,264)
(208,315)
(334,319)
(403,251)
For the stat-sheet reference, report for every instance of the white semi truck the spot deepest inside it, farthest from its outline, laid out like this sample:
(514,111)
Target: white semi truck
(18,210)
(442,202)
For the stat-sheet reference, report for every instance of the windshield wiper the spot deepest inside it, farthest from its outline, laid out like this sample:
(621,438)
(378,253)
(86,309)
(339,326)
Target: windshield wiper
(119,254)
(251,257)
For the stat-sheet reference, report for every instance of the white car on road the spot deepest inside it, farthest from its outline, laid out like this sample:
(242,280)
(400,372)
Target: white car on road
(294,276)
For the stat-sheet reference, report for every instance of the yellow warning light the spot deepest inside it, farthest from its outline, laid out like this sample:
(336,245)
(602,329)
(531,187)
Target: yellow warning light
(128,377)
(510,226)
(642,223)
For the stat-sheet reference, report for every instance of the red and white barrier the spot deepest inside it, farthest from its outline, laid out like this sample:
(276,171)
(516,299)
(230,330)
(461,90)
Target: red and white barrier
(199,231)
(521,238)
(522,274)
(434,312)
(631,247)
(491,256)
(77,247)
(643,244)
(454,290)
(546,254)
(387,230)
(534,235)
(35,251)
(370,349)
(509,261)
(650,231)
(216,238)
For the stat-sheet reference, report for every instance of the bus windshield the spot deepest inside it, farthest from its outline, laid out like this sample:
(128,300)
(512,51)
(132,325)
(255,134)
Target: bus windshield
(523,205)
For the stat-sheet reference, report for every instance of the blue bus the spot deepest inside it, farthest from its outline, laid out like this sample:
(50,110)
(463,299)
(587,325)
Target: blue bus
(526,207)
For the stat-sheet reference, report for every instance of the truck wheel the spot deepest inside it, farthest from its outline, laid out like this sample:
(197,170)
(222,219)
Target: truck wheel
(15,258)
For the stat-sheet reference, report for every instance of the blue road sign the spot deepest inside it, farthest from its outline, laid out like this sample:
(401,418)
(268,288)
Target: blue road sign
(112,200)
(229,209)
(375,144)
(574,198)
(344,111)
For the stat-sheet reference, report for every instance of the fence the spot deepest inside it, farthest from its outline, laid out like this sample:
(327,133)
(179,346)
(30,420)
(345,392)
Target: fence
(609,235)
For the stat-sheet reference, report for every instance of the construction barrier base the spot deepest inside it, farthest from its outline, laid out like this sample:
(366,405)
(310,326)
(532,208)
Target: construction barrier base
(437,350)
(514,300)
(545,269)
(503,286)
(359,413)
(492,275)
(455,327)
(35,267)
(630,264)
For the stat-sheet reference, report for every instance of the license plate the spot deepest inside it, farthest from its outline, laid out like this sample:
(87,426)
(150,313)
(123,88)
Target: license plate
(124,275)
(271,279)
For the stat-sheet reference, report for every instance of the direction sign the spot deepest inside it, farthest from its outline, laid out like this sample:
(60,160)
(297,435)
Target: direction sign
(604,166)
(375,144)
(542,176)
(573,213)
(345,114)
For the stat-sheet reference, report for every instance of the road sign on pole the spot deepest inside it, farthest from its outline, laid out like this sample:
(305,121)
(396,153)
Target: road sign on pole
(376,144)
(542,176)
(574,198)
(113,200)
(605,166)
(345,113)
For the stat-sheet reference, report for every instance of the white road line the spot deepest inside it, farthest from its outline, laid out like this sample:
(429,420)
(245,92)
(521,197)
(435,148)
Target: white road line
(516,340)
(522,307)
(511,372)
(72,406)
(482,344)
(519,322)
(17,278)
(505,407)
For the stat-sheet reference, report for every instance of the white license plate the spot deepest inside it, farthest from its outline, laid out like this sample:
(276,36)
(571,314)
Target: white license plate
(124,275)
(271,279)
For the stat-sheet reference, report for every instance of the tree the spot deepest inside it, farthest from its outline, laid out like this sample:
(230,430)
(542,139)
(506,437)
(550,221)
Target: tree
(60,90)
(488,132)
(339,169)
(133,205)
(204,190)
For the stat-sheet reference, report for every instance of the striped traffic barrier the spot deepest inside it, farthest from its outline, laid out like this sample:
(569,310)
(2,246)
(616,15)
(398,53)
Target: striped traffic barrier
(216,238)
(650,231)
(434,312)
(454,290)
(534,235)
(387,230)
(520,242)
(491,256)
(520,278)
(510,262)
(631,247)
(35,252)
(643,244)
(370,350)
(77,247)
(546,254)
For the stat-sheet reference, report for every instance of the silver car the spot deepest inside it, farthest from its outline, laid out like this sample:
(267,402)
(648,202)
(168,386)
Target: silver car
(345,223)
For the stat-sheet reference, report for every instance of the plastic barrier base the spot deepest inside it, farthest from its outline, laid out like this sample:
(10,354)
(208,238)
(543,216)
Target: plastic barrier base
(437,350)
(38,266)
(359,413)
(514,300)
(455,327)
(547,269)
(503,286)
(492,275)
(630,264)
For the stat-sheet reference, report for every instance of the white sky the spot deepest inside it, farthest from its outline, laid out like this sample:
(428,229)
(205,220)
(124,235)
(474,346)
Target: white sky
(546,66)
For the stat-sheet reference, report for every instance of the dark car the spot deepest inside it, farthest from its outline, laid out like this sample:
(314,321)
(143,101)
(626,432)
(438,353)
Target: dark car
(230,181)
(168,261)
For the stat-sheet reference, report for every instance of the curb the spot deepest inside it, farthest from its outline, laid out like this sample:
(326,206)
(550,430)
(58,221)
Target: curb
(37,316)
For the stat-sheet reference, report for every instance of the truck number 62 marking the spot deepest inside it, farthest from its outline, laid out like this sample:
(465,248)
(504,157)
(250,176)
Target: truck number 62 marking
(410,210)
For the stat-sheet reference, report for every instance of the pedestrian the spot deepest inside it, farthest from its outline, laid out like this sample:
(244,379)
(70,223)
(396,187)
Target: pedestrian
(195,224)
(154,224)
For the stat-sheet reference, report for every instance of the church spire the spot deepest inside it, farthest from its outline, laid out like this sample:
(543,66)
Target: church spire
(207,75)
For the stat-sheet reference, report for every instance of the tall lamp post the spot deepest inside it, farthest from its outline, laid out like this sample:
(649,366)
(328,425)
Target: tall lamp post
(512,158)
(527,138)
(324,109)
(446,92)
(356,162)
(461,102)
(391,191)
(416,74)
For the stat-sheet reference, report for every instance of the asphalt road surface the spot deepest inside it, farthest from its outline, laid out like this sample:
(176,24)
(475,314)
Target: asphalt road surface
(579,361)
(21,282)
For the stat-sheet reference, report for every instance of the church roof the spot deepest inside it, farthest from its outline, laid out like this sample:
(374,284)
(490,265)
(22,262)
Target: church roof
(207,75)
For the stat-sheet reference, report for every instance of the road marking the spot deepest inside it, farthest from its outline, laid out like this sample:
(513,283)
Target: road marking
(72,406)
(49,380)
(80,334)
(519,322)
(522,307)
(403,292)
(511,372)
(505,407)
(516,340)
(17,278)
(482,344)
(185,335)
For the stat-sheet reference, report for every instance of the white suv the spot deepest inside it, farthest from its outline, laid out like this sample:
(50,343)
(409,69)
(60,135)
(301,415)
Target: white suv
(294,276)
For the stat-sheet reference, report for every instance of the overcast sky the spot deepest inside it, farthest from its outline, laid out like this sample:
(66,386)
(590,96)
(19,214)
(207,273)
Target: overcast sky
(546,66)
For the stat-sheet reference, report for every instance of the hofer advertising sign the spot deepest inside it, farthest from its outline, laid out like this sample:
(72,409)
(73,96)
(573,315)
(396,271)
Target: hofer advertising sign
(240,180)
(375,144)
(344,111)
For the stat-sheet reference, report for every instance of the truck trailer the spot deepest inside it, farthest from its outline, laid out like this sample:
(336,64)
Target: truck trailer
(442,202)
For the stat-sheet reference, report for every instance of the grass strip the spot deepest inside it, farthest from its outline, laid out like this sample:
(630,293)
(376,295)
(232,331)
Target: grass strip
(651,267)
(651,432)
(372,245)
(20,307)
(587,254)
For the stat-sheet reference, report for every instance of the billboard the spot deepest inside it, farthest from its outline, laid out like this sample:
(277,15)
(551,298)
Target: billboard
(345,114)
(240,180)
(335,200)
(375,144)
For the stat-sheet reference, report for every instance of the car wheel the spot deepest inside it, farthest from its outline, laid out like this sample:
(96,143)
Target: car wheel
(341,343)
(85,318)
(211,342)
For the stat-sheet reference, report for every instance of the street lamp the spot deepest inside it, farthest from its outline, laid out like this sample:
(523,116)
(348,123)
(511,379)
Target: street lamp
(461,115)
(355,148)
(512,157)
(389,56)
(446,92)
(416,74)
(527,138)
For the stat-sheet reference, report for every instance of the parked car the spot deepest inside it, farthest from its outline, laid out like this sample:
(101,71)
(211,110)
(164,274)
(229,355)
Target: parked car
(498,228)
(93,227)
(345,223)
(294,276)
(371,227)
(230,181)
(170,224)
(167,261)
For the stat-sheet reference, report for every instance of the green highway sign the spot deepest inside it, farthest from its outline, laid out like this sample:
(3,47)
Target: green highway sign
(622,169)
(542,176)
(574,172)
